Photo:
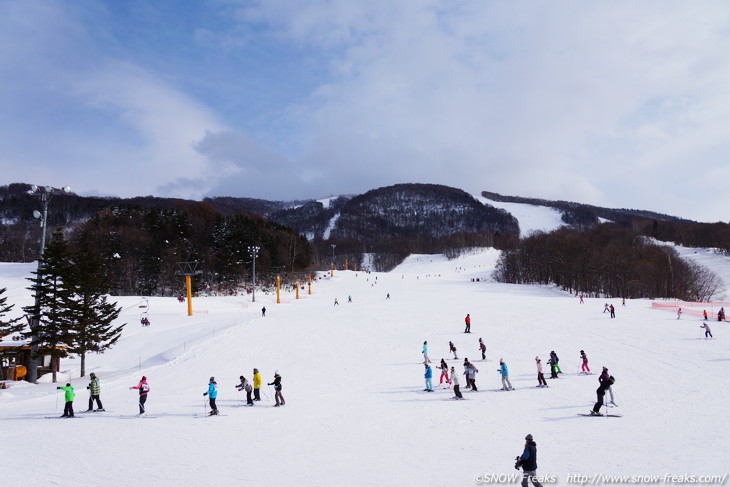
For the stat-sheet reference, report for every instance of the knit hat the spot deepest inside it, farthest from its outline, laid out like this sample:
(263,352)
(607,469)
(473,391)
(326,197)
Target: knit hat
(92,375)
(144,377)
(68,384)
(255,371)
(212,379)
(501,361)
(528,437)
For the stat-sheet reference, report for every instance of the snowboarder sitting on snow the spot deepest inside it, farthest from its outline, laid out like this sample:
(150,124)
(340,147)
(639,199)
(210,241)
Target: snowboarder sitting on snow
(94,389)
(277,387)
(212,393)
(605,381)
(246,386)
(528,462)
(68,409)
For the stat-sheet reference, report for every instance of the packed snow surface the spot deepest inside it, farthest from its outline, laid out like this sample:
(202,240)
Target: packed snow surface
(356,412)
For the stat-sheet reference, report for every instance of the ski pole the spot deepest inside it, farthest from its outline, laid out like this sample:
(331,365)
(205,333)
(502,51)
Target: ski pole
(205,411)
(56,410)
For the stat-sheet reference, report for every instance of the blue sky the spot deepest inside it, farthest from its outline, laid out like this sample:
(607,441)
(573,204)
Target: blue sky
(622,105)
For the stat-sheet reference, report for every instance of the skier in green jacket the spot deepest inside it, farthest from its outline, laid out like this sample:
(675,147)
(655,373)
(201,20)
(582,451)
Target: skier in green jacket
(68,409)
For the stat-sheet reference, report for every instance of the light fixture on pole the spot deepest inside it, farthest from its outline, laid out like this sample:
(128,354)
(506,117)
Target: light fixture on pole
(45,193)
(332,265)
(254,251)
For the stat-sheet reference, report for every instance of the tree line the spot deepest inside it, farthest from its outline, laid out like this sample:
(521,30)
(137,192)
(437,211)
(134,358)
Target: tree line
(71,313)
(605,260)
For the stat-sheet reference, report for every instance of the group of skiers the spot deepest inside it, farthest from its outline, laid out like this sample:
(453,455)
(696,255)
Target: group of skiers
(143,388)
(449,376)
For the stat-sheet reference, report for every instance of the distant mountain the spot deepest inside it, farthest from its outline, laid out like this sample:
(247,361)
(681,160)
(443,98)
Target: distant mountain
(391,221)
(586,215)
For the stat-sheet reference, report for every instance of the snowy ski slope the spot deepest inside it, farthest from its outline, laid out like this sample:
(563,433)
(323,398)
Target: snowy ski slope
(356,413)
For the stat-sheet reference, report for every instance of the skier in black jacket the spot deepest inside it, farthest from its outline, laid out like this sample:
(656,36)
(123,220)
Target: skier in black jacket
(605,381)
(528,462)
(277,388)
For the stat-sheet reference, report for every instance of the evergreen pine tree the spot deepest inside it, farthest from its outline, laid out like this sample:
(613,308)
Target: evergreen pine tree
(90,315)
(10,326)
(51,295)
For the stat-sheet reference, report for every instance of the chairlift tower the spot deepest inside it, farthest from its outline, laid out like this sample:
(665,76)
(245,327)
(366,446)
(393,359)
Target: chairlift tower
(189,269)
(254,251)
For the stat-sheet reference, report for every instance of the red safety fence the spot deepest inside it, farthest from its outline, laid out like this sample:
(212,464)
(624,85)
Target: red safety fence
(693,308)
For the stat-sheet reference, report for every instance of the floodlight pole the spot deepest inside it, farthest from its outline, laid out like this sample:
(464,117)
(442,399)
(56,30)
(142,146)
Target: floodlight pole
(254,252)
(332,266)
(45,194)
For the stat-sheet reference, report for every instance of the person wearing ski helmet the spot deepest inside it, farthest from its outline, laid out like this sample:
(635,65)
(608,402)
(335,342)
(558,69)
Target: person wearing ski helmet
(528,462)
(246,386)
(212,394)
(452,348)
(277,387)
(504,372)
(605,381)
(428,375)
(708,333)
(143,388)
(94,391)
(584,367)
(555,360)
(68,408)
(455,382)
(257,383)
(444,373)
(425,352)
(540,377)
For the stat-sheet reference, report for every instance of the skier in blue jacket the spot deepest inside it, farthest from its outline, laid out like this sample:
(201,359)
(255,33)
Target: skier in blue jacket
(212,393)
(506,384)
(428,375)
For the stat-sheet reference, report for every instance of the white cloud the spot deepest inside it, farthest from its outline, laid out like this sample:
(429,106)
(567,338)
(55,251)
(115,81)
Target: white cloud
(618,105)
(570,100)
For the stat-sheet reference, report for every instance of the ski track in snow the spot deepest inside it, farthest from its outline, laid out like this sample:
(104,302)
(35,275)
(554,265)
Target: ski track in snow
(355,412)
